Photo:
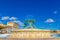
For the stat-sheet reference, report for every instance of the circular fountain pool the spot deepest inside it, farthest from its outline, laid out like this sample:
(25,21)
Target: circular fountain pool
(56,35)
(4,35)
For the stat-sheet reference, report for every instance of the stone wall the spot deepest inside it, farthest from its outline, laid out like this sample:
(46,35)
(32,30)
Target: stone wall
(30,34)
(31,39)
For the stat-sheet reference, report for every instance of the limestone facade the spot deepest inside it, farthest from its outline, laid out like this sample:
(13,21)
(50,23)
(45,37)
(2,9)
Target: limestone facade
(30,33)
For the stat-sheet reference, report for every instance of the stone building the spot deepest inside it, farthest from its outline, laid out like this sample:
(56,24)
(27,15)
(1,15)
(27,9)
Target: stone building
(29,31)
(12,25)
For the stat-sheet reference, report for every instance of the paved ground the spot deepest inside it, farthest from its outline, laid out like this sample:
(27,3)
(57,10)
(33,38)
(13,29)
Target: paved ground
(32,39)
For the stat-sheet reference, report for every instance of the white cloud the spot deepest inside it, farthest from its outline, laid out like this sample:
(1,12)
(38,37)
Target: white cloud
(19,22)
(49,20)
(5,18)
(13,18)
(8,18)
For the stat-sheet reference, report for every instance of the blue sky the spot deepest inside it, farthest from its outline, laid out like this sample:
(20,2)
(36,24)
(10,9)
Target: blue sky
(46,13)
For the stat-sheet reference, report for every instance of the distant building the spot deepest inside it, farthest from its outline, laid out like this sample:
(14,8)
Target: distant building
(12,25)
